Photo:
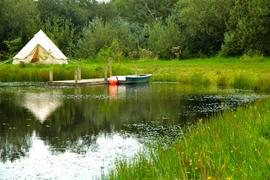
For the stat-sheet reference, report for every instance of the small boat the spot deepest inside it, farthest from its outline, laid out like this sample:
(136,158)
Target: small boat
(130,79)
(141,78)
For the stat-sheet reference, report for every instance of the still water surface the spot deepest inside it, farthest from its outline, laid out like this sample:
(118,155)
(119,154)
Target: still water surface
(78,133)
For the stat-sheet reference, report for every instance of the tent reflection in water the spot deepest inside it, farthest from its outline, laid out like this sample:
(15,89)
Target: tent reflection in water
(42,105)
(41,50)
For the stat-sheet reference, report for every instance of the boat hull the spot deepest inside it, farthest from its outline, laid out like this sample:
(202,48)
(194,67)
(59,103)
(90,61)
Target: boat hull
(134,79)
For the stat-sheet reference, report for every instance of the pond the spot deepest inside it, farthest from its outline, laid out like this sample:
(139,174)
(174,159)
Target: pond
(78,133)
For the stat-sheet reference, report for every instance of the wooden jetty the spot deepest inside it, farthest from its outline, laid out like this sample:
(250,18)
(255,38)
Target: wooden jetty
(82,82)
(77,80)
(113,80)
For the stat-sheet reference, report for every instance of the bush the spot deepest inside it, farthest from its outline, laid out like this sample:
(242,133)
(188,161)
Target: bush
(248,28)
(101,34)
(114,52)
(146,54)
(252,58)
(163,37)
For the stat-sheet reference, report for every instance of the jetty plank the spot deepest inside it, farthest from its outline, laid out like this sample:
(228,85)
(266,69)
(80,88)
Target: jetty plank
(98,81)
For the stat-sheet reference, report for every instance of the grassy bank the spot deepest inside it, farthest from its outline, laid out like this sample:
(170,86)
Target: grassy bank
(246,73)
(235,145)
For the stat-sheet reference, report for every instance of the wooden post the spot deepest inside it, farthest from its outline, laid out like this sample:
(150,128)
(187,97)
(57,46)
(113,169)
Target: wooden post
(105,73)
(79,74)
(110,66)
(136,70)
(51,76)
(76,76)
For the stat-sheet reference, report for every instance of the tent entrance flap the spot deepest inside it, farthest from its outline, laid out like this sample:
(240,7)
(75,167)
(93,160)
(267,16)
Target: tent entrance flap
(35,57)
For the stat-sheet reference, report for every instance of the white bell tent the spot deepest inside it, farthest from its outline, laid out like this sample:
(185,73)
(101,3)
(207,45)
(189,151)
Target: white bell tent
(41,50)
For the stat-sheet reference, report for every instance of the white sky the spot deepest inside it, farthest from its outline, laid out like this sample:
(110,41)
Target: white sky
(103,0)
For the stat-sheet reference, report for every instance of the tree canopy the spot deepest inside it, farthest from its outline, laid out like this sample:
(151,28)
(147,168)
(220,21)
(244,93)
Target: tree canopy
(163,29)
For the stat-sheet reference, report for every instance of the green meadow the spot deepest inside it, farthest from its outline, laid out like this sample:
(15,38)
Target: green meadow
(244,73)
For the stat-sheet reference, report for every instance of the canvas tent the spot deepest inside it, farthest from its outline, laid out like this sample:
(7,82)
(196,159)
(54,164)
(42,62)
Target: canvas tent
(40,49)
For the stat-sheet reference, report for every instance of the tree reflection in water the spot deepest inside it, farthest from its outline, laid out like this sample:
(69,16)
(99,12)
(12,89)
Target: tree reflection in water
(75,120)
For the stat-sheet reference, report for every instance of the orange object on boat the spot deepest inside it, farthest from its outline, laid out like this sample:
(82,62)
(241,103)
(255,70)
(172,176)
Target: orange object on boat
(113,81)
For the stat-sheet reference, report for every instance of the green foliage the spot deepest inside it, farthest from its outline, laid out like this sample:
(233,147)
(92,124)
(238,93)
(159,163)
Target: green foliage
(62,32)
(13,46)
(163,37)
(167,28)
(78,12)
(203,24)
(252,58)
(101,34)
(18,20)
(146,54)
(113,52)
(248,28)
(143,11)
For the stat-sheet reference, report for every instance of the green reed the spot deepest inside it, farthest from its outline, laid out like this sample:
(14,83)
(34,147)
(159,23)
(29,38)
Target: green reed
(235,145)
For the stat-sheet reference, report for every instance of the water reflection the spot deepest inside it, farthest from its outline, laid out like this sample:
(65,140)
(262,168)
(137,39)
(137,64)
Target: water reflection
(121,91)
(82,130)
(42,105)
(96,160)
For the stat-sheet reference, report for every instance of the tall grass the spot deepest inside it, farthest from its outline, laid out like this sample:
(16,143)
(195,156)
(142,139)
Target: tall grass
(235,145)
(230,72)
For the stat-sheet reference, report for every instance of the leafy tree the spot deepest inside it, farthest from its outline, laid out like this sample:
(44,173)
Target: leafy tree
(100,34)
(18,20)
(151,28)
(248,28)
(62,32)
(113,52)
(163,37)
(203,24)
(13,46)
(143,11)
(79,12)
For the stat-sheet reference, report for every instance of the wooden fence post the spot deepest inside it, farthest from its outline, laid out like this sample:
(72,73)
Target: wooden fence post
(105,73)
(76,76)
(79,74)
(110,66)
(51,76)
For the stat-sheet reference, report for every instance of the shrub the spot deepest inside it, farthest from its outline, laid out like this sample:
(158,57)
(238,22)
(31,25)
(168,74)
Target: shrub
(101,35)
(163,37)
(252,58)
(146,54)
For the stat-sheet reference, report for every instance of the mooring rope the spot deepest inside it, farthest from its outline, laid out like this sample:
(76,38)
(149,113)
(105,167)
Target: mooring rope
(6,61)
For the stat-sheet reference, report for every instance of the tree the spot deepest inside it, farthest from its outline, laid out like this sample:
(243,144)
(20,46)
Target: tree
(163,37)
(248,28)
(79,12)
(203,24)
(18,20)
(101,34)
(143,11)
(62,32)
